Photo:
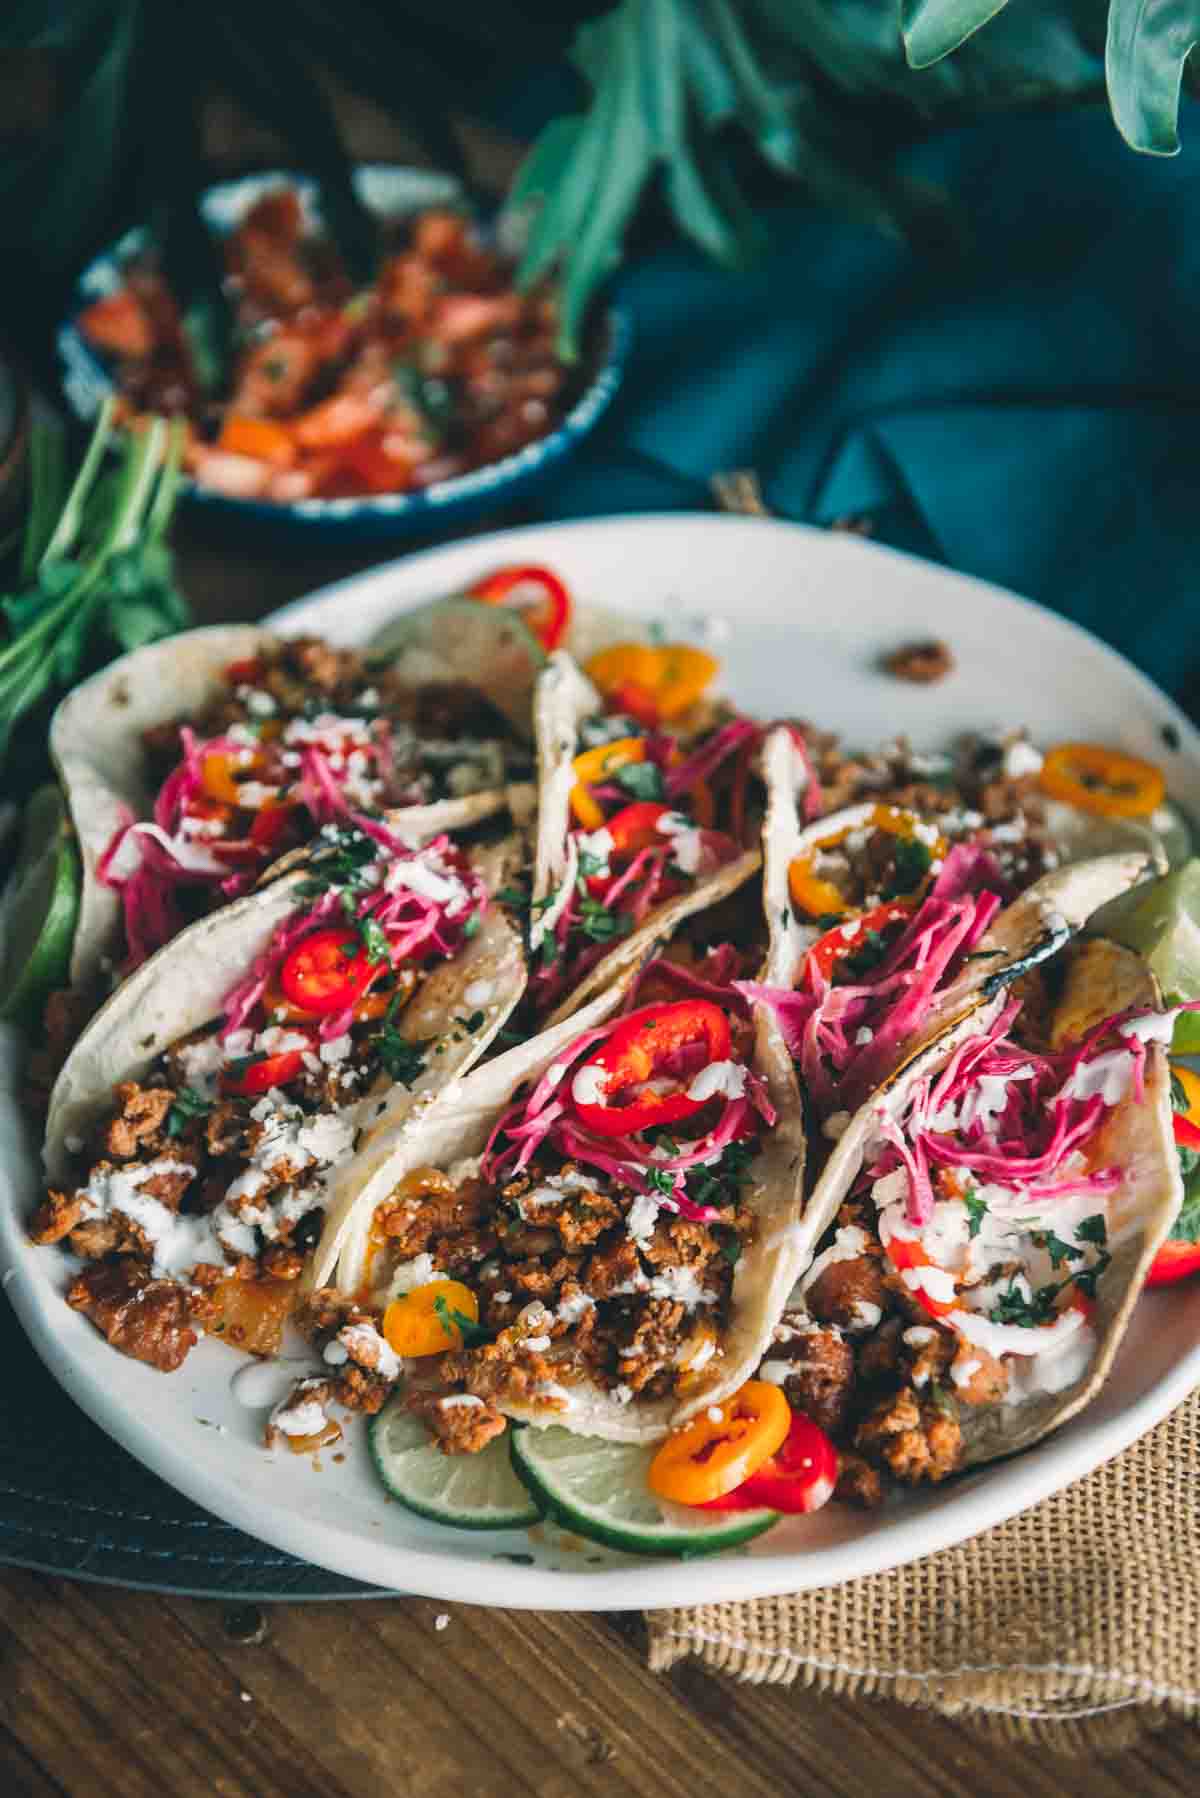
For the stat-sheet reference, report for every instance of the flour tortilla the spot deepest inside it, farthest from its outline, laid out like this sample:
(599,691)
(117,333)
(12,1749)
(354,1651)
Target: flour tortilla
(183,986)
(96,744)
(563,698)
(1037,925)
(1101,979)
(452,1129)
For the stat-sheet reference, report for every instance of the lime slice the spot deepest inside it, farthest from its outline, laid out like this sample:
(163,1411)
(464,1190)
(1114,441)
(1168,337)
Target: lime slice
(488,647)
(469,1492)
(1164,926)
(38,910)
(601,1490)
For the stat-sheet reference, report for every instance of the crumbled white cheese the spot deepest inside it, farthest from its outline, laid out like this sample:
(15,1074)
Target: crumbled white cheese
(935,1282)
(686,839)
(725,1077)
(777,1373)
(589,1086)
(641,1218)
(1021,758)
(361,1342)
(598,846)
(411,1274)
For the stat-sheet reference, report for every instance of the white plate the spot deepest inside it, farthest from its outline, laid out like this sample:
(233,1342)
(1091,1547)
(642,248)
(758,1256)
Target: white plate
(810,614)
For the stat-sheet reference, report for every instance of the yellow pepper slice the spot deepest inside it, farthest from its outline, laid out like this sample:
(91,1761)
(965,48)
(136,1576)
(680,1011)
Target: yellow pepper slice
(672,675)
(722,1447)
(596,765)
(1103,781)
(820,898)
(422,1322)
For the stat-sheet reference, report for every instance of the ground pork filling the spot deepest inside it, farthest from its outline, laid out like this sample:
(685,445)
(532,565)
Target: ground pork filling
(577,1278)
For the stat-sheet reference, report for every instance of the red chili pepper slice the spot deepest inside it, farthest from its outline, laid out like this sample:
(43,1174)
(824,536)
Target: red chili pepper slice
(652,1044)
(1179,1256)
(246,674)
(848,938)
(261,1076)
(798,1478)
(547,617)
(634,701)
(328,971)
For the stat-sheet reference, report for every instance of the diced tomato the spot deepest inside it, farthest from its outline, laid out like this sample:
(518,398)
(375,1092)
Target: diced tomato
(262,438)
(328,970)
(260,1076)
(904,1252)
(848,938)
(798,1478)
(1175,1261)
(641,1050)
(118,323)
(635,827)
(380,461)
(337,421)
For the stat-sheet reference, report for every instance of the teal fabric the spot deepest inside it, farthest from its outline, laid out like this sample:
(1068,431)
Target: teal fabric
(1025,408)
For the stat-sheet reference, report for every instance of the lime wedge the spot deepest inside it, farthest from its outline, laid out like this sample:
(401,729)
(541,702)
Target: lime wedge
(38,909)
(1164,926)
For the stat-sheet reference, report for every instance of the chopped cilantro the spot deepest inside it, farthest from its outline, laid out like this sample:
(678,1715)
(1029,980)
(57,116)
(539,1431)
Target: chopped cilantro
(373,939)
(1093,1229)
(471,927)
(976,1211)
(403,1060)
(718,1183)
(731,1246)
(983,954)
(590,864)
(342,860)
(458,1326)
(1058,1250)
(869,955)
(1179,1098)
(642,780)
(1013,1307)
(186,1105)
(602,925)
(911,865)
(510,896)
(471,1024)
(549,951)
(658,1179)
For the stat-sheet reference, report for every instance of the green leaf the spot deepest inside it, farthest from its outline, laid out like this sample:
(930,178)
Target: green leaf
(1148,43)
(933,28)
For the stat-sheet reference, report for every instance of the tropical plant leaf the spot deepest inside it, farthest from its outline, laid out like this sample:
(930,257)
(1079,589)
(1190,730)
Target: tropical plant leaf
(1148,43)
(931,29)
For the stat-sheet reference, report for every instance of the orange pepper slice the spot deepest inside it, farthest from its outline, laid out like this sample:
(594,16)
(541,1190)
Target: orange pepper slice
(594,766)
(216,776)
(418,1325)
(713,1454)
(261,438)
(820,898)
(1103,781)
(672,675)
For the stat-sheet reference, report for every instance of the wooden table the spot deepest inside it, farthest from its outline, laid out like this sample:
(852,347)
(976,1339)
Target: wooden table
(104,1691)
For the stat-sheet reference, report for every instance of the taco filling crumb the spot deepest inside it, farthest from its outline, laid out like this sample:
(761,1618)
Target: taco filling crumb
(306,734)
(963,1267)
(200,1196)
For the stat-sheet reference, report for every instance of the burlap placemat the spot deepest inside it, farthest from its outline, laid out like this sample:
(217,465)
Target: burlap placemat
(1076,1623)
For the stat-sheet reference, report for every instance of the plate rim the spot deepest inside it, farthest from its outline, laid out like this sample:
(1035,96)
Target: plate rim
(429,1572)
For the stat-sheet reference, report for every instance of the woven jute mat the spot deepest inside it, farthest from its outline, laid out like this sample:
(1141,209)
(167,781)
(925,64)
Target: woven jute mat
(1077,1623)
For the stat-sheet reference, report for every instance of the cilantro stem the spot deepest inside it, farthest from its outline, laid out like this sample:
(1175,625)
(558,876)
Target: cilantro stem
(70,521)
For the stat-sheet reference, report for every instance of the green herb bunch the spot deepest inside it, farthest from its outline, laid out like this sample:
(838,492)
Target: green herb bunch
(93,574)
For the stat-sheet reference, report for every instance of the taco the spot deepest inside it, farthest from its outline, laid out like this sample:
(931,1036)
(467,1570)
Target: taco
(198,1122)
(884,930)
(192,765)
(639,827)
(598,1228)
(990,1217)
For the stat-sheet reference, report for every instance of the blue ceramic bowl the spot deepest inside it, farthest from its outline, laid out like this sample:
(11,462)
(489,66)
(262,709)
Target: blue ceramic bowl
(390,192)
